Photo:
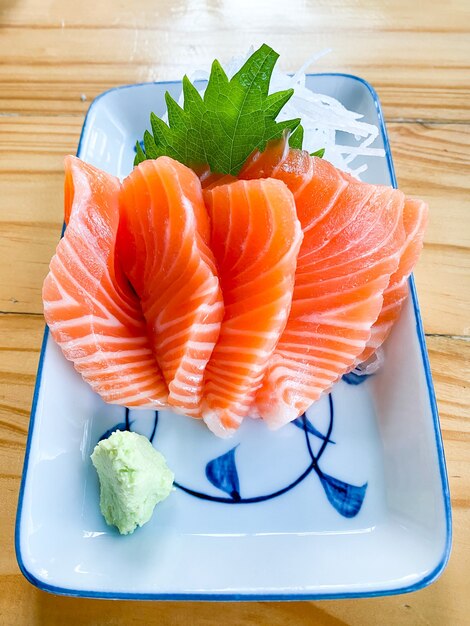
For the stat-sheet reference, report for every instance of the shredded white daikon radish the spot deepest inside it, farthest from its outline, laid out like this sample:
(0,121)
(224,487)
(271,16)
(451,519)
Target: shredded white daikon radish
(321,116)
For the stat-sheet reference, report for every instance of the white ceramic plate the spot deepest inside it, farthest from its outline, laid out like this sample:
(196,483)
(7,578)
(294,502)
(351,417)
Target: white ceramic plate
(351,501)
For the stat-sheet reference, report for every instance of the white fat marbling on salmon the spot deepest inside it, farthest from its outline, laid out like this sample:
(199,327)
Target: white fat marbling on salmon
(255,239)
(166,257)
(353,237)
(93,314)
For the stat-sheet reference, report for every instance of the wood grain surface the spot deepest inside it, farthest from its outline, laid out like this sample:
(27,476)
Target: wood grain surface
(57,55)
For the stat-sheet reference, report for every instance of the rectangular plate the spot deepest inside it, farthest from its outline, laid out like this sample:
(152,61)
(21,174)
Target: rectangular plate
(353,501)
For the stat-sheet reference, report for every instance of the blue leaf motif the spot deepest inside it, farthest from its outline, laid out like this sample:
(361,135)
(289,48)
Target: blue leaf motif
(222,473)
(355,379)
(121,426)
(347,499)
(299,422)
(155,424)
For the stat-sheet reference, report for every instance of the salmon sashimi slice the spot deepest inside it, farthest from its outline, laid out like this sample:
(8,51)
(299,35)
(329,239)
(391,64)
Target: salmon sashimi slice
(90,308)
(291,167)
(163,243)
(353,237)
(255,238)
(213,179)
(415,215)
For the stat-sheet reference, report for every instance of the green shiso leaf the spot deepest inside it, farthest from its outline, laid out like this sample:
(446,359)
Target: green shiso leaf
(223,127)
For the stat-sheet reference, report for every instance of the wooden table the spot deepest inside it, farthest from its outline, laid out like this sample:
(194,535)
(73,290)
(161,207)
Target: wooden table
(57,55)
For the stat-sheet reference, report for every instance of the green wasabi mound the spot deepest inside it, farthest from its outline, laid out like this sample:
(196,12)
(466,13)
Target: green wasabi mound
(134,477)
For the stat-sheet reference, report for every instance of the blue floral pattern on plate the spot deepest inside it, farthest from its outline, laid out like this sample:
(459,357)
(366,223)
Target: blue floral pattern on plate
(222,471)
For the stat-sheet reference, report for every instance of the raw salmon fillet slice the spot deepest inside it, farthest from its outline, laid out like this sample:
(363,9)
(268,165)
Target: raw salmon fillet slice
(163,243)
(415,215)
(353,237)
(292,167)
(255,238)
(89,306)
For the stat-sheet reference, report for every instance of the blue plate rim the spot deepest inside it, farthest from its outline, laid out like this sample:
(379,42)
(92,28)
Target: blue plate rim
(241,597)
